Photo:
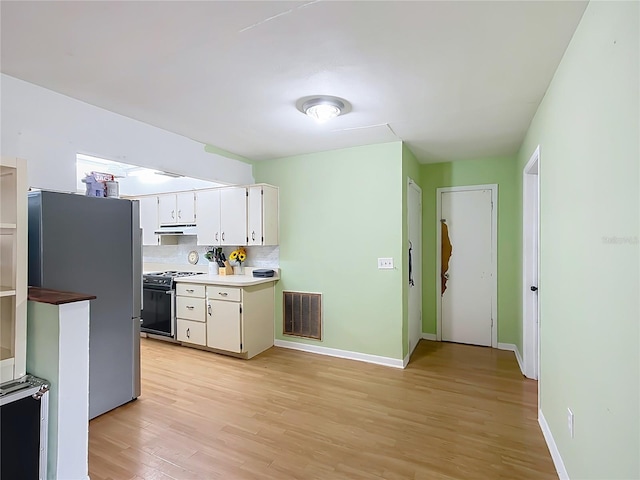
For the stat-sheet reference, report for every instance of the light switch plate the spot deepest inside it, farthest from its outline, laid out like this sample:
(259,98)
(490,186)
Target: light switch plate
(570,422)
(385,263)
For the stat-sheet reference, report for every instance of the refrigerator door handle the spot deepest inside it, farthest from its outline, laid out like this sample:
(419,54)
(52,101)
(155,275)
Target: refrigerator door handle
(136,257)
(136,357)
(136,242)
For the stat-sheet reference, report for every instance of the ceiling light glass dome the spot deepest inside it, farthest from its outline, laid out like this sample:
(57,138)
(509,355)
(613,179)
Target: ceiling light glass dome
(323,108)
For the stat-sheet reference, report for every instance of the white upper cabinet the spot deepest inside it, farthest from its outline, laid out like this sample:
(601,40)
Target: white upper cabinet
(208,214)
(222,216)
(177,208)
(262,216)
(167,209)
(233,216)
(186,207)
(149,220)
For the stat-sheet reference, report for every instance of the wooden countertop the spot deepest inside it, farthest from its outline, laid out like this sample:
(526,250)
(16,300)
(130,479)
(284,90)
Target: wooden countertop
(56,297)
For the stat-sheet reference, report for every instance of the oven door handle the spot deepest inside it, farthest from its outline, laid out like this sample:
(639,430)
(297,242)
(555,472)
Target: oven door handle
(172,292)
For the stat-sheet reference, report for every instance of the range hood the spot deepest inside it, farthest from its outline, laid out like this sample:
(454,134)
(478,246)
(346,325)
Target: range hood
(176,230)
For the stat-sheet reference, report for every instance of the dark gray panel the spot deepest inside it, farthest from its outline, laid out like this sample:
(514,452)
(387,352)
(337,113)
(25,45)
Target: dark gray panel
(34,211)
(87,248)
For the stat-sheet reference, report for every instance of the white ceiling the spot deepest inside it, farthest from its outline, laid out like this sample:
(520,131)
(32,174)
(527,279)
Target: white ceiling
(454,80)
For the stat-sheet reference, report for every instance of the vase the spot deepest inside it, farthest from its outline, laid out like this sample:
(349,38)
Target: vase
(213,268)
(239,269)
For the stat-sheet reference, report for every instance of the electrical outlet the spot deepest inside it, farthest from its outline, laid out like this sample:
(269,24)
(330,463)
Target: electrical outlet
(385,263)
(570,422)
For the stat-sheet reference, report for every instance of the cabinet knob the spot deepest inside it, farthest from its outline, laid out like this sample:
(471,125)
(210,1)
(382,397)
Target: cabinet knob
(190,307)
(190,290)
(216,236)
(179,213)
(224,294)
(188,333)
(173,214)
(223,236)
(253,235)
(209,309)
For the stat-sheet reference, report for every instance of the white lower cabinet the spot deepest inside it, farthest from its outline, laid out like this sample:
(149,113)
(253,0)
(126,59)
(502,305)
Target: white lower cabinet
(237,320)
(223,325)
(192,332)
(190,312)
(190,308)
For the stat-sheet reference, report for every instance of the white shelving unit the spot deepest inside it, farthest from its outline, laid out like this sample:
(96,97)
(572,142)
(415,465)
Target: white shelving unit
(13,268)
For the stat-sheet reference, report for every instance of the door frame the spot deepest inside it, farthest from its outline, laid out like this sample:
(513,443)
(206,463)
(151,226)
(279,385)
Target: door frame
(531,272)
(494,255)
(412,184)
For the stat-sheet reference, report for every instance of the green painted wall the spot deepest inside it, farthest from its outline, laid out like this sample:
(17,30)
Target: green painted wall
(588,128)
(474,172)
(43,330)
(339,211)
(410,169)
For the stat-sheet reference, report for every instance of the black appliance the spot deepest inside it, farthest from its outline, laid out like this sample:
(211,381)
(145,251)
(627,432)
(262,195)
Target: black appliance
(159,302)
(263,273)
(24,408)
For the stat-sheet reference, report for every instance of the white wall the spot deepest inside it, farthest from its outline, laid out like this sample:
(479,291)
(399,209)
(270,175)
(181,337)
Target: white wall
(48,130)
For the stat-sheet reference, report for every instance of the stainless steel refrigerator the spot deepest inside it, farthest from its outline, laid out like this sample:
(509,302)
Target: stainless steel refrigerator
(93,245)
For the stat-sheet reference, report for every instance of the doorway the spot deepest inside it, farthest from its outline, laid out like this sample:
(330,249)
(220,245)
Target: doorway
(531,264)
(467,274)
(414,227)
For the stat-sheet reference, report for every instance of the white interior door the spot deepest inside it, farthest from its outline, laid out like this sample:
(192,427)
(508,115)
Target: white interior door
(414,220)
(466,304)
(530,256)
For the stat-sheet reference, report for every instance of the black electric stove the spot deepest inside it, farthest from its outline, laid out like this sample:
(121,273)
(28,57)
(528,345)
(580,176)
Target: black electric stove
(158,302)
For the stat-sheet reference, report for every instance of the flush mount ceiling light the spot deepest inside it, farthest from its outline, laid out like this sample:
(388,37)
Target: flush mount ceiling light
(323,107)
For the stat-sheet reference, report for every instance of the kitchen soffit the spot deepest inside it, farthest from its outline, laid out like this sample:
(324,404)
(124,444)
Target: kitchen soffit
(454,80)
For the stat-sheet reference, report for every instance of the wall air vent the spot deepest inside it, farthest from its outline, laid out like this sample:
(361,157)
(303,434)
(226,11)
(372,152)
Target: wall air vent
(302,314)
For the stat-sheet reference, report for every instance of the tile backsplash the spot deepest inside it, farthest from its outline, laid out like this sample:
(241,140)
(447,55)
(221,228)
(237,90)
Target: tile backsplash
(261,257)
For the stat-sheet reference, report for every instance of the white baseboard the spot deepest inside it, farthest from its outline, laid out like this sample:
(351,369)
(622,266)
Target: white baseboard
(514,348)
(405,362)
(334,352)
(553,448)
(429,336)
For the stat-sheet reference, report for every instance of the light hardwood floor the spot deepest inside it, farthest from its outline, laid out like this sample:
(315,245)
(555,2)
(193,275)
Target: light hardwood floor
(456,412)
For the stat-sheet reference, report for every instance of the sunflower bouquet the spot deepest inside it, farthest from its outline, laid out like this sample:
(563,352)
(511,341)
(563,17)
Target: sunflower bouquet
(239,255)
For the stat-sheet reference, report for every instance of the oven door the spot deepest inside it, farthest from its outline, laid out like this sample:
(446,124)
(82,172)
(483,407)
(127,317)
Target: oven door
(158,307)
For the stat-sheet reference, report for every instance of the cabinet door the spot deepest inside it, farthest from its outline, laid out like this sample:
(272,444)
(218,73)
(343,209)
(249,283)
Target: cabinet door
(254,215)
(223,326)
(149,220)
(233,216)
(186,207)
(167,209)
(270,216)
(208,214)
(262,215)
(13,268)
(191,332)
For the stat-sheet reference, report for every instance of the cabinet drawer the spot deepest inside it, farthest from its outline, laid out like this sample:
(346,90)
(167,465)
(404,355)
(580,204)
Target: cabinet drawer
(189,290)
(192,332)
(223,293)
(190,308)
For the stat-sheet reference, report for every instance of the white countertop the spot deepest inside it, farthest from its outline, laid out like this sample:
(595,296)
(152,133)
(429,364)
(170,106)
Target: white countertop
(228,280)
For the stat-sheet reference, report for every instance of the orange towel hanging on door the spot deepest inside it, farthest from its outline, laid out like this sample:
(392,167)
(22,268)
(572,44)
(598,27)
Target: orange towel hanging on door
(447,249)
